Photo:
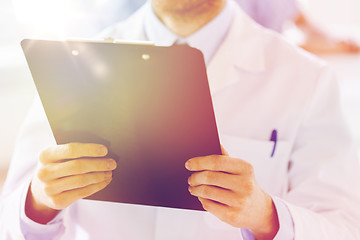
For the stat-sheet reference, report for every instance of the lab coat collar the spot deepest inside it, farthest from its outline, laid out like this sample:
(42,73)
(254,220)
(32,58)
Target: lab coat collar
(244,45)
(242,50)
(207,39)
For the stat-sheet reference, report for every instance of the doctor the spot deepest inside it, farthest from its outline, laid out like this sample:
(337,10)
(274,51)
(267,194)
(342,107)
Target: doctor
(290,170)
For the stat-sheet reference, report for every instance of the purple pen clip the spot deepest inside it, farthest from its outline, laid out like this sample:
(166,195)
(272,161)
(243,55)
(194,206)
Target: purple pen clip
(273,138)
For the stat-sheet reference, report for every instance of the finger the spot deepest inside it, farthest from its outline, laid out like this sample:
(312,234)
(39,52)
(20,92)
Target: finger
(73,182)
(209,205)
(218,179)
(220,195)
(72,151)
(75,167)
(66,198)
(223,151)
(219,163)
(221,211)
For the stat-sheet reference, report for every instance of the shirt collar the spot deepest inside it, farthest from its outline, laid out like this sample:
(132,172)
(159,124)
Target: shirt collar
(215,30)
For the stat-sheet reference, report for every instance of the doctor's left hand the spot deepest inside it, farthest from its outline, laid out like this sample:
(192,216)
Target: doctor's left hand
(227,188)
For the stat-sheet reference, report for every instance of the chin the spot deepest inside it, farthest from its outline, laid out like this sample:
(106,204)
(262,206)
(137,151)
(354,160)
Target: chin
(185,6)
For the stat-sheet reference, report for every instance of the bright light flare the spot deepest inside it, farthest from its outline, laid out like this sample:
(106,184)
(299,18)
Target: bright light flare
(52,18)
(100,70)
(145,56)
(75,52)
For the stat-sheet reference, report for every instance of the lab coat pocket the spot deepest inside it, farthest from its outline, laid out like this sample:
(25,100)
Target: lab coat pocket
(270,168)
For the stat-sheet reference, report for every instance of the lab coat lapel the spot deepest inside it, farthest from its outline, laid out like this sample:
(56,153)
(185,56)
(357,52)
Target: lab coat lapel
(136,27)
(241,50)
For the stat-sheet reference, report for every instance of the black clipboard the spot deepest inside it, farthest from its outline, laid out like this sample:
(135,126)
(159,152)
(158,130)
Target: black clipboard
(151,106)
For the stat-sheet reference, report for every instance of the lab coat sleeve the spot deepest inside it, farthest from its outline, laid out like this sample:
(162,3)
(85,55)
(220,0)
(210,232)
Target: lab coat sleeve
(286,225)
(35,135)
(36,231)
(324,173)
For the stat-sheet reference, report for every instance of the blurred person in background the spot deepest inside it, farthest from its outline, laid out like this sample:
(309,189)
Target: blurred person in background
(274,14)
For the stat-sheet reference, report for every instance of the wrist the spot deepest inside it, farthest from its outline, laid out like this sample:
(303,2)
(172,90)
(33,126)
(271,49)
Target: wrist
(38,212)
(269,225)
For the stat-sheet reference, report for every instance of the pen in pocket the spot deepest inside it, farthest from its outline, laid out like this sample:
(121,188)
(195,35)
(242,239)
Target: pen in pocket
(273,138)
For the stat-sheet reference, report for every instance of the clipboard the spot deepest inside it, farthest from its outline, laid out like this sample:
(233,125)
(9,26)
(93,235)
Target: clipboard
(151,106)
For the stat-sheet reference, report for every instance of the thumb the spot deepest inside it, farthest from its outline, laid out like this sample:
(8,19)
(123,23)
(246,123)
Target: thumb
(223,151)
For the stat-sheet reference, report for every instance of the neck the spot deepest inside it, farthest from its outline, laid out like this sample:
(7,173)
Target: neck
(184,17)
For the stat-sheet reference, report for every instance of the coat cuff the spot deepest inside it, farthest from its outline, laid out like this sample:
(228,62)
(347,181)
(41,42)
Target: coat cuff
(286,223)
(33,230)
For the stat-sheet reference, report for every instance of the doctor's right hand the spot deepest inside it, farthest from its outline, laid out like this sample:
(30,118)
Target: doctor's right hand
(66,173)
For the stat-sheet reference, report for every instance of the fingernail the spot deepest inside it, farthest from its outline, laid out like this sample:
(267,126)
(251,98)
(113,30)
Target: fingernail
(102,150)
(111,164)
(190,189)
(108,174)
(189,181)
(188,165)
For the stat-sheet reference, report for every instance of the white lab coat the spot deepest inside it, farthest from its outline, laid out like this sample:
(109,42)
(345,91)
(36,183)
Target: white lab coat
(258,83)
